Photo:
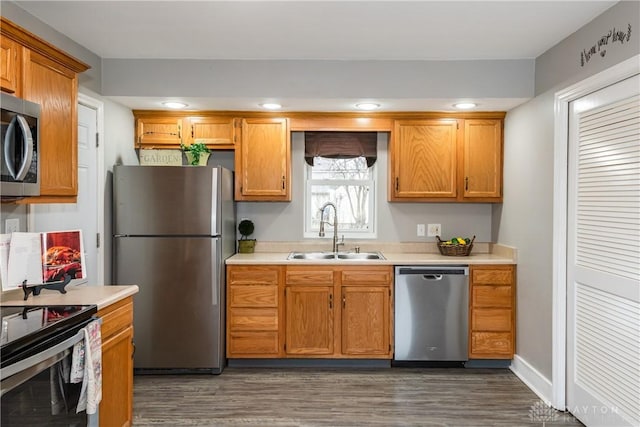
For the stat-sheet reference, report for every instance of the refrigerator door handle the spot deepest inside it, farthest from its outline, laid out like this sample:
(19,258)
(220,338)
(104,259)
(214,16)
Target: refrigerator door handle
(216,270)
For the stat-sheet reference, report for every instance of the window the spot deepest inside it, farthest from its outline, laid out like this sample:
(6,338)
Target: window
(347,182)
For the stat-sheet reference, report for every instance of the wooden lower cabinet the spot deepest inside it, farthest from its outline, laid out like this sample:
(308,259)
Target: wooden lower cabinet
(492,312)
(365,320)
(116,407)
(309,320)
(254,311)
(327,311)
(338,312)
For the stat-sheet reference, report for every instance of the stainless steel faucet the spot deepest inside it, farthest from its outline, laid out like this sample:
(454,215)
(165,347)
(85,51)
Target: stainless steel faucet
(335,224)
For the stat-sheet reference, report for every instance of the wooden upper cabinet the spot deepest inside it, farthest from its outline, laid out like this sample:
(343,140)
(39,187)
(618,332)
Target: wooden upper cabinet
(263,160)
(215,132)
(10,66)
(441,160)
(55,89)
(158,132)
(423,159)
(39,72)
(482,158)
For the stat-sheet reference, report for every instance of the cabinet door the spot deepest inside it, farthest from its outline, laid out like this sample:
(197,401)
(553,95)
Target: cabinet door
(423,159)
(10,62)
(365,320)
(161,132)
(116,408)
(253,312)
(309,320)
(215,132)
(55,89)
(482,158)
(263,161)
(492,312)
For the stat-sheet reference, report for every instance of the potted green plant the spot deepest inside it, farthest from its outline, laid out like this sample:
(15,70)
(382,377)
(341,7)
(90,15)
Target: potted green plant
(197,153)
(245,245)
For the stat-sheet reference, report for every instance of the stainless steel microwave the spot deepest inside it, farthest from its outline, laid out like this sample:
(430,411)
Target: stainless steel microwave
(19,166)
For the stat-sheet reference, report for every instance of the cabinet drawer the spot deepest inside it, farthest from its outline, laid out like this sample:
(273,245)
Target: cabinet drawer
(116,317)
(491,296)
(491,319)
(253,319)
(254,344)
(252,275)
(309,277)
(491,344)
(366,277)
(492,276)
(253,296)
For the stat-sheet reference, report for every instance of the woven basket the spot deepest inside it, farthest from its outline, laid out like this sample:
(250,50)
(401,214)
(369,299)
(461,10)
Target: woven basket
(455,250)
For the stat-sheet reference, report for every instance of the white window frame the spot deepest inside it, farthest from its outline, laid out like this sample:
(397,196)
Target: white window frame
(311,233)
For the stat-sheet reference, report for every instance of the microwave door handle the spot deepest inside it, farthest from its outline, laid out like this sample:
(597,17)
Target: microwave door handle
(27,147)
(9,147)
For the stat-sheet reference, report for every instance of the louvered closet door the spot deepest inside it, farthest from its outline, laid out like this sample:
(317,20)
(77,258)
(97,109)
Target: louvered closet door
(603,323)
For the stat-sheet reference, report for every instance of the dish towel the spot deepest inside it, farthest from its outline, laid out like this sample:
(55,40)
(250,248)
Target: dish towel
(86,366)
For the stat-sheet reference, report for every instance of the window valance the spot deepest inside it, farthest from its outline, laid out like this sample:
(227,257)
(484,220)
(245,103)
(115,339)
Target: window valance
(340,145)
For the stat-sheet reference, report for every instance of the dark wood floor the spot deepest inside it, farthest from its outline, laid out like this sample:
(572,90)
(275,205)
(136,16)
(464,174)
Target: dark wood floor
(288,397)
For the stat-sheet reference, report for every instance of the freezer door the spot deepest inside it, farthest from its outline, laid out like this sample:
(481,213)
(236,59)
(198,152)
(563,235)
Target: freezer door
(171,200)
(179,310)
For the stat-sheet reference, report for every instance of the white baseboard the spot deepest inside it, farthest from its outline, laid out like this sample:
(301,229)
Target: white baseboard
(533,379)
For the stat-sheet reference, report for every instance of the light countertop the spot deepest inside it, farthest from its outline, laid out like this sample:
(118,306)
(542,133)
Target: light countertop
(102,296)
(391,258)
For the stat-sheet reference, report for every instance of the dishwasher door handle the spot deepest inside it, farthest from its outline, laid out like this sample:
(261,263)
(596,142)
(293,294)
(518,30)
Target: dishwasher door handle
(432,276)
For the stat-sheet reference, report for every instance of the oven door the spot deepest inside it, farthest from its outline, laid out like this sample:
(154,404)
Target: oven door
(34,392)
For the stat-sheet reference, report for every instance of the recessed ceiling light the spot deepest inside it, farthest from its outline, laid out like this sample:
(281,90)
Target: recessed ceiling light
(368,106)
(174,104)
(464,105)
(271,106)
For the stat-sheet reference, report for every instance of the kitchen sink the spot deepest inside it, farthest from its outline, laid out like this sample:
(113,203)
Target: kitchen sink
(360,255)
(339,256)
(311,255)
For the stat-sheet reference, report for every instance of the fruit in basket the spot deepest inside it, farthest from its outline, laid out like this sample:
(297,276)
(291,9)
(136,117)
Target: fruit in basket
(456,241)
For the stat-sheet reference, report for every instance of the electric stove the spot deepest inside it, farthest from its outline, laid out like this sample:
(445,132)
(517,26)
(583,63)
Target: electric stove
(27,330)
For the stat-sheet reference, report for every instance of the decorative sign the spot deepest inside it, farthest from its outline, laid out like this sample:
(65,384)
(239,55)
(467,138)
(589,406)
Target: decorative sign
(613,36)
(160,157)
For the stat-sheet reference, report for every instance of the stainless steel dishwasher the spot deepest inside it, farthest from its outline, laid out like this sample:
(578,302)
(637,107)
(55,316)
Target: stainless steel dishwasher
(431,313)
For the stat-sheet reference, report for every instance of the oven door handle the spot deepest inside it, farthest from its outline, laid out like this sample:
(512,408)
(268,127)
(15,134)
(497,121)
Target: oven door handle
(31,366)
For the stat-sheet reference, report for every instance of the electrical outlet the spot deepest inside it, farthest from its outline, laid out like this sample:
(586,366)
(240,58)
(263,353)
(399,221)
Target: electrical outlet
(12,225)
(420,230)
(434,230)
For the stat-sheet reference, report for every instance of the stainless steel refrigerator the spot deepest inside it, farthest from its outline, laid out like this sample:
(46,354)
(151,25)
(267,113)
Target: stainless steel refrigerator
(173,228)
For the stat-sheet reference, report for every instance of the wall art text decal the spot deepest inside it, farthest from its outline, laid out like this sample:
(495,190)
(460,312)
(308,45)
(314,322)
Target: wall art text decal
(614,35)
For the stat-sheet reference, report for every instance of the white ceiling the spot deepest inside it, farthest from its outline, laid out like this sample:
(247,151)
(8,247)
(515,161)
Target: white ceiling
(336,30)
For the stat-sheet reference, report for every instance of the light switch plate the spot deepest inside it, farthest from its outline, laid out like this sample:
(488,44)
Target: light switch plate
(12,225)
(420,230)
(434,230)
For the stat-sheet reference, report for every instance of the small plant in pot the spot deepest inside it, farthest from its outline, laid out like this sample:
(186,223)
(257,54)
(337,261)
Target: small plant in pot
(197,153)
(245,245)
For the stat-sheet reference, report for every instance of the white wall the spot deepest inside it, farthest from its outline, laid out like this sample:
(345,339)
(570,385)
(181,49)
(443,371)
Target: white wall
(525,219)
